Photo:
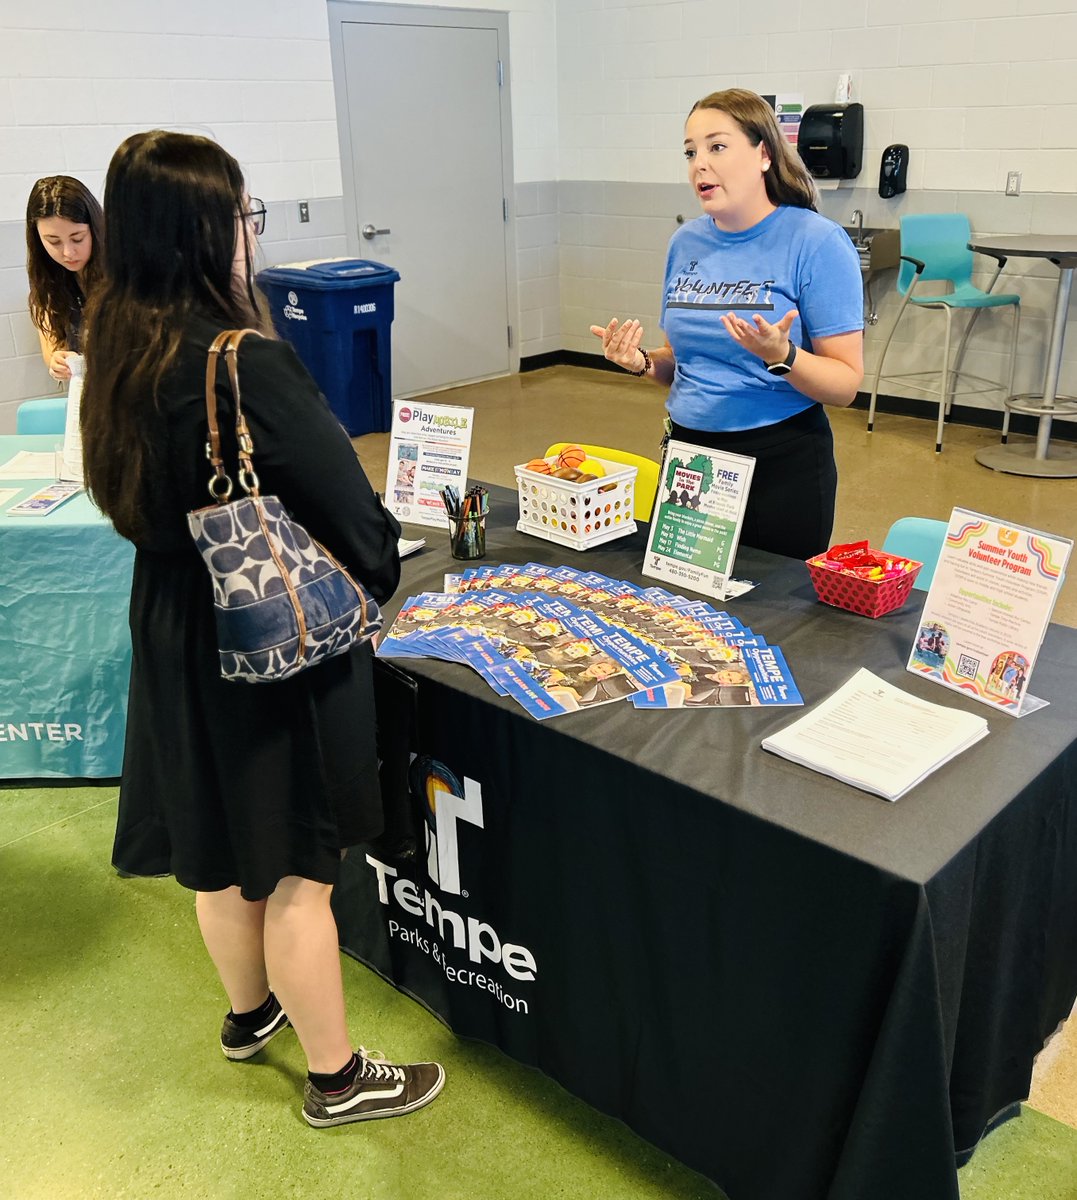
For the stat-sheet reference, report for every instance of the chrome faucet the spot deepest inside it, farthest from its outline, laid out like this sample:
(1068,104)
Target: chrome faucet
(858,217)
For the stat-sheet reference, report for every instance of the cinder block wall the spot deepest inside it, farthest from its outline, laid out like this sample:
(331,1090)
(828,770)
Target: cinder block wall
(600,89)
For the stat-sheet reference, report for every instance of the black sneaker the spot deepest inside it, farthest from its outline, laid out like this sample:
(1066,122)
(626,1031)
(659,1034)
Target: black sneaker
(239,1042)
(380,1089)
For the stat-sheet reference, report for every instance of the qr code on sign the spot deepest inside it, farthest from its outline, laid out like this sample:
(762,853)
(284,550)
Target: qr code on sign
(968,666)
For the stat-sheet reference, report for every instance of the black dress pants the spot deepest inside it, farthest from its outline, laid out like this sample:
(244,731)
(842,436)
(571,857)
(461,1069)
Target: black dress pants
(790,507)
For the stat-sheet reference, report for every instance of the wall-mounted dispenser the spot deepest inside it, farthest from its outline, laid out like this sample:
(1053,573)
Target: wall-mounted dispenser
(893,168)
(831,140)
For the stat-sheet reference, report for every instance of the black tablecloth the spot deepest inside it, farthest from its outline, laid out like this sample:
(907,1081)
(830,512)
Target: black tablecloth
(791,985)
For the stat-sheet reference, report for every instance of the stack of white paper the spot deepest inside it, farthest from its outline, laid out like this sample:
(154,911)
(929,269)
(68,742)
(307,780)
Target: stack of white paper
(877,737)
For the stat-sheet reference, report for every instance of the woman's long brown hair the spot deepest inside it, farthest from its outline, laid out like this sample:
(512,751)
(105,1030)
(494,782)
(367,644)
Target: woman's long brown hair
(55,292)
(788,181)
(173,204)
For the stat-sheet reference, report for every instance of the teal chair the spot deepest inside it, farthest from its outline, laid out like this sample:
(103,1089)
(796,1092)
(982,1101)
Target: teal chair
(920,538)
(47,415)
(934,247)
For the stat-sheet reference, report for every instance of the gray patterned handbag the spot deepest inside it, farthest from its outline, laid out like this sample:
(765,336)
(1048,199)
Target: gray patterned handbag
(281,600)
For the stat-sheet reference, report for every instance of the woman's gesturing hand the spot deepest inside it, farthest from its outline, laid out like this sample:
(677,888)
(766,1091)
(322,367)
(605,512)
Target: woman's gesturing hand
(620,343)
(758,337)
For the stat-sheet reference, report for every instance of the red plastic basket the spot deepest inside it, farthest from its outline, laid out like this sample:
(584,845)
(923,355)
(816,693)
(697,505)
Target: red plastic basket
(869,597)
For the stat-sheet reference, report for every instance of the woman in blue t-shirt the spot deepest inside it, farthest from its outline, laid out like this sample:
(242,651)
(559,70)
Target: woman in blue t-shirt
(763,317)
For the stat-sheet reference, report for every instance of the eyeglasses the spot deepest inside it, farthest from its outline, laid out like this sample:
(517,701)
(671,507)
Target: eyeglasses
(256,215)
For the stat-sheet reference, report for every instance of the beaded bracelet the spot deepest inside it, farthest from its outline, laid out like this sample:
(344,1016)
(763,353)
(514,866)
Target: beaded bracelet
(646,363)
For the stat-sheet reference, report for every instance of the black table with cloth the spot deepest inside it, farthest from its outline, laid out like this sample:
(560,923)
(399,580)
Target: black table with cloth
(793,986)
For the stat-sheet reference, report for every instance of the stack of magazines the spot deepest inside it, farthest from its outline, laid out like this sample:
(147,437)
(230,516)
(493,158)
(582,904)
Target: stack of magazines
(560,640)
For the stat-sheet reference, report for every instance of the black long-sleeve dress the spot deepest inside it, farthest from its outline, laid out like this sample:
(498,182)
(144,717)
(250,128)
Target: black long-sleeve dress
(233,783)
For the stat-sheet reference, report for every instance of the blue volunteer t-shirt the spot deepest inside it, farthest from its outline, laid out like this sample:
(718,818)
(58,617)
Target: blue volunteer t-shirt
(794,258)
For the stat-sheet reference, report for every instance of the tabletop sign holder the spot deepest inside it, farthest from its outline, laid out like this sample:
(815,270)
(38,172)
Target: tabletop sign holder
(989,606)
(429,447)
(695,527)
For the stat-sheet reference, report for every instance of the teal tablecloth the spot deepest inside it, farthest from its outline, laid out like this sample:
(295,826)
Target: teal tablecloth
(65,649)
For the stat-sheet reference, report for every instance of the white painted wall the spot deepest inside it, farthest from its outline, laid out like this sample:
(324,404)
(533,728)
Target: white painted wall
(76,78)
(599,93)
(976,87)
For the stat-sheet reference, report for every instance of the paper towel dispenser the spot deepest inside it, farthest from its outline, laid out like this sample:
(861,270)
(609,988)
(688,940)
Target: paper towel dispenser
(831,140)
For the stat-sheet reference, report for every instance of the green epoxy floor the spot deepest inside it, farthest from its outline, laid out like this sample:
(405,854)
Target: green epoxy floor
(116,1086)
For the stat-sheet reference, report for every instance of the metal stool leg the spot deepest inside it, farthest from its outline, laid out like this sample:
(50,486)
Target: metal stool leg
(882,359)
(944,390)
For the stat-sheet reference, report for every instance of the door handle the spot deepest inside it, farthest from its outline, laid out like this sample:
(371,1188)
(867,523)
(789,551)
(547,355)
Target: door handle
(368,231)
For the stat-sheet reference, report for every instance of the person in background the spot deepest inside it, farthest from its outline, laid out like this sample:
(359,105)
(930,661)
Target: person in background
(763,317)
(64,230)
(247,793)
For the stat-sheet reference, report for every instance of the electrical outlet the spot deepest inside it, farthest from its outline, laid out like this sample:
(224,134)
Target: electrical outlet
(304,210)
(1013,183)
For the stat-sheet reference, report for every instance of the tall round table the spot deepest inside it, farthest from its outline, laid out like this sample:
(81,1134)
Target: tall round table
(1039,459)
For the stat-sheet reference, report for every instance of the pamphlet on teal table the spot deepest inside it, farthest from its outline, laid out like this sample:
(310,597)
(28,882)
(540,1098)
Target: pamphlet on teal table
(990,602)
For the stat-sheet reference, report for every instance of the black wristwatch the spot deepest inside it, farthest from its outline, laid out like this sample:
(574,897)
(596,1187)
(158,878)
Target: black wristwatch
(786,365)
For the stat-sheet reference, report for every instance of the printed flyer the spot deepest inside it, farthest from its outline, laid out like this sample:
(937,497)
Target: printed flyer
(557,640)
(989,605)
(429,446)
(696,523)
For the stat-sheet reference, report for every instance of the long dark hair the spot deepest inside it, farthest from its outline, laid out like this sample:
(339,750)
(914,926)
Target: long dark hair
(788,180)
(171,206)
(55,292)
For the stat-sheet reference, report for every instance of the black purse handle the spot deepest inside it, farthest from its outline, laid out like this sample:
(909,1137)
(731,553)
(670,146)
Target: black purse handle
(220,484)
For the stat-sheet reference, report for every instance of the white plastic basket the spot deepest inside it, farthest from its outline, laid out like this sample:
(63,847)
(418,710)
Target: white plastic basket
(580,515)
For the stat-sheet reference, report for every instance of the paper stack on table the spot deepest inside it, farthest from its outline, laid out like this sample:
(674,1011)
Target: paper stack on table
(560,640)
(877,737)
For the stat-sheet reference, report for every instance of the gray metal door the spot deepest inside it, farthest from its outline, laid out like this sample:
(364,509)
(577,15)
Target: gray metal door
(421,109)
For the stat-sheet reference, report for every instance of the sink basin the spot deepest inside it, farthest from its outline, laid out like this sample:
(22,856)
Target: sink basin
(878,248)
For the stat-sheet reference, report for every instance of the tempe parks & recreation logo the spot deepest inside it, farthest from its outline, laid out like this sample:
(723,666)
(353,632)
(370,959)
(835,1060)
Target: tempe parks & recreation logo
(450,934)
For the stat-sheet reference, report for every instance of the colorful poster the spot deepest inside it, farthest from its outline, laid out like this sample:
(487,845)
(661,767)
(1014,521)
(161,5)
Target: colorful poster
(789,108)
(429,446)
(696,523)
(989,605)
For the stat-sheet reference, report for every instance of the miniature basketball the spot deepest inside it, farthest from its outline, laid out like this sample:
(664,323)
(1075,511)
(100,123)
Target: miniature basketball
(540,465)
(592,467)
(571,456)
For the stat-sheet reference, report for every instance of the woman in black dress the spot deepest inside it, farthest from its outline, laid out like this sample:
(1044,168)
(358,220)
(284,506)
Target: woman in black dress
(247,793)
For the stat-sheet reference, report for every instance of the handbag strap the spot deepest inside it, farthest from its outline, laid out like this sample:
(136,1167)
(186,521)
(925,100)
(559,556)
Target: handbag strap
(220,485)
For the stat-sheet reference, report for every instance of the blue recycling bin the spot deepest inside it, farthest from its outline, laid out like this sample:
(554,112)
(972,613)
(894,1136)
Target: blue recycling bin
(338,315)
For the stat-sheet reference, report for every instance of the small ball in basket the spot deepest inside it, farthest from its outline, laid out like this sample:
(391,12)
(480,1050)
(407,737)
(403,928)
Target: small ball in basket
(571,456)
(585,477)
(592,467)
(540,465)
(569,473)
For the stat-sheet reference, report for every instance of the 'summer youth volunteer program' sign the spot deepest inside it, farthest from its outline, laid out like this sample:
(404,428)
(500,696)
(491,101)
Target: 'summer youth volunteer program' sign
(697,519)
(429,446)
(990,602)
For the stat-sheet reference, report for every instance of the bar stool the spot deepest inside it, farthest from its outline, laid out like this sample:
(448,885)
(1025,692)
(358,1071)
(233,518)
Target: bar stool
(934,246)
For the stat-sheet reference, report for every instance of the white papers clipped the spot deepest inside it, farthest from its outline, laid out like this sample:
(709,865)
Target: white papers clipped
(877,737)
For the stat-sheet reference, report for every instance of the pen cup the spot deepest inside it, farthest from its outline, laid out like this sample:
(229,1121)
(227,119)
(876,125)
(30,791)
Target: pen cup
(467,535)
